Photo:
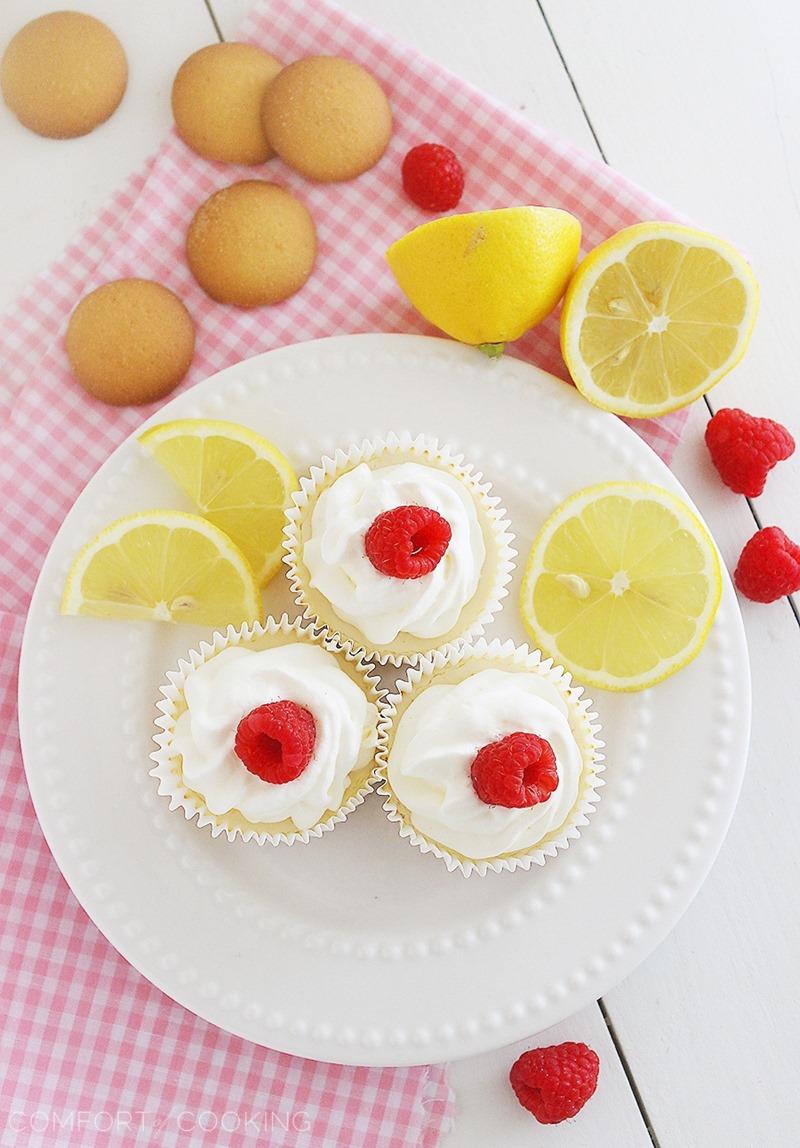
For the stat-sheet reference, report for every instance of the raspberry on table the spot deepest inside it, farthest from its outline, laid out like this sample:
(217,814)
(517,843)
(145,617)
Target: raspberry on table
(554,1083)
(744,448)
(407,542)
(432,177)
(517,771)
(769,566)
(276,741)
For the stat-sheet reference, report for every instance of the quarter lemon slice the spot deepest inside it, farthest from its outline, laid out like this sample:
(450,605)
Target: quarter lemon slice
(166,565)
(622,585)
(236,479)
(655,316)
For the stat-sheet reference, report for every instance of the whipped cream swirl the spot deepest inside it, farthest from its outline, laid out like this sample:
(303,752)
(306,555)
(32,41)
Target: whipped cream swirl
(437,739)
(223,690)
(381,606)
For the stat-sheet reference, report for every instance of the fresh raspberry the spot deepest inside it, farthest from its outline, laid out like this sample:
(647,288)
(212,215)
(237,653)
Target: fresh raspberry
(275,741)
(432,177)
(517,771)
(554,1083)
(769,566)
(744,448)
(407,542)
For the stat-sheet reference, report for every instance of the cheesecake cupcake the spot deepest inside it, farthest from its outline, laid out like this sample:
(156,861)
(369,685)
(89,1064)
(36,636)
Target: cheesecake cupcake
(489,758)
(267,733)
(396,548)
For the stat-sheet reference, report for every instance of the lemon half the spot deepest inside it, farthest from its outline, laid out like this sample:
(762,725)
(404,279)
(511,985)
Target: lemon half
(622,585)
(488,276)
(165,565)
(655,316)
(236,478)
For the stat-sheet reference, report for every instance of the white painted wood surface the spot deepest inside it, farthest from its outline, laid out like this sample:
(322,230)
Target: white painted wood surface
(699,103)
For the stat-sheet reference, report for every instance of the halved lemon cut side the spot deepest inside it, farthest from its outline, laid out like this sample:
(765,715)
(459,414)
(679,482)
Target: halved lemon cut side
(236,478)
(655,316)
(622,585)
(163,565)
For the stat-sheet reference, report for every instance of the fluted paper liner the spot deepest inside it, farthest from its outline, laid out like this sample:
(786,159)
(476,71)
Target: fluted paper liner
(168,767)
(453,666)
(497,570)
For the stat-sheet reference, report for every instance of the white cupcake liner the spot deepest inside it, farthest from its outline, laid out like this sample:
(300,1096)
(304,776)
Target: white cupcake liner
(425,449)
(168,769)
(583,722)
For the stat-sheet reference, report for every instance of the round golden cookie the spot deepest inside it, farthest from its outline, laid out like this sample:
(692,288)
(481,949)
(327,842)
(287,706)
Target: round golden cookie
(251,243)
(327,118)
(130,342)
(63,74)
(216,102)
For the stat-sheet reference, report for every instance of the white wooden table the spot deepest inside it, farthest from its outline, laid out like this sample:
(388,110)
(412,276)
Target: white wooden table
(700,104)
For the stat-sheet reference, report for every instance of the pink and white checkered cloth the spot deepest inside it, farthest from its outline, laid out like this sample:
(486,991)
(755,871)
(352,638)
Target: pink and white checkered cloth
(87,1044)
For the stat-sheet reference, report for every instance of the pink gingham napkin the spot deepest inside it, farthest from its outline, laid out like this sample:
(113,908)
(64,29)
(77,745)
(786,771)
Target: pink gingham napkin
(85,1040)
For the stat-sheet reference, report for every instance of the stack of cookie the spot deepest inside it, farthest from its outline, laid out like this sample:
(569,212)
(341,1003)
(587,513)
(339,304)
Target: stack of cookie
(254,243)
(250,244)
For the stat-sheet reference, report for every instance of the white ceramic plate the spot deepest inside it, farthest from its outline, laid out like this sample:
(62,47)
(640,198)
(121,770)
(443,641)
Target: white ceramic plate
(357,948)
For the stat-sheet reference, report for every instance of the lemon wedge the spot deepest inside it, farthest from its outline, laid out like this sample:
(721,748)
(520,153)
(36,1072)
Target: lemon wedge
(486,277)
(655,316)
(165,565)
(622,585)
(236,479)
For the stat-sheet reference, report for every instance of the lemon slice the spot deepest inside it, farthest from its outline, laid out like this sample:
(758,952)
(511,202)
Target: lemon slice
(166,565)
(485,277)
(622,585)
(236,479)
(655,316)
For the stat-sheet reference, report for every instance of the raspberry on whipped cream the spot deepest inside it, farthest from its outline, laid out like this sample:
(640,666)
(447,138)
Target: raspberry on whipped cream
(516,771)
(408,541)
(276,741)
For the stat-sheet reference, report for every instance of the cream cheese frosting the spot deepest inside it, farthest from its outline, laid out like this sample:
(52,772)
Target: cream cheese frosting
(220,692)
(437,738)
(381,606)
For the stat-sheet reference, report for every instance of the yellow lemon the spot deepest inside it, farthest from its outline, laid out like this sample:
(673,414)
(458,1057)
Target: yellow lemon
(655,316)
(236,479)
(488,276)
(622,585)
(165,565)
